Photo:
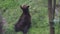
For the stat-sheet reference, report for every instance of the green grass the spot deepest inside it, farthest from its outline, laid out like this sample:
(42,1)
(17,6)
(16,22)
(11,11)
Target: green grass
(38,10)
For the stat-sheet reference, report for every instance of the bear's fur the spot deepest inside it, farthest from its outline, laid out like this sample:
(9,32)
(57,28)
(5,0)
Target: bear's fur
(24,22)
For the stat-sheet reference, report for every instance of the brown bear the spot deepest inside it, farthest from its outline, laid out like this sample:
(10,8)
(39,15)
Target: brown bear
(24,22)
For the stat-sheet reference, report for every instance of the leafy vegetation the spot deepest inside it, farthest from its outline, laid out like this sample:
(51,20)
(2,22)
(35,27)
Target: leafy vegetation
(38,10)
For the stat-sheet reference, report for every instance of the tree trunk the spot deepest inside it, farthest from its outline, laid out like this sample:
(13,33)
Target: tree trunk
(51,16)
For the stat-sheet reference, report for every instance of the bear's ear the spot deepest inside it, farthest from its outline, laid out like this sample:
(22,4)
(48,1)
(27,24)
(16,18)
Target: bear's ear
(27,6)
(20,6)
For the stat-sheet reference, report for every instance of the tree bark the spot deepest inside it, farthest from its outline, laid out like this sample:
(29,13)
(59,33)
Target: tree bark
(51,12)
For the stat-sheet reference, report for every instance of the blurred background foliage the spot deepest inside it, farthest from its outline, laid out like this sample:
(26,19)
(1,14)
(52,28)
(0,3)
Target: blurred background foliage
(10,10)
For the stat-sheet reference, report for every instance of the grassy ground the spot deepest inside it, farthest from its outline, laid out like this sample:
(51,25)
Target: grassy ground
(38,10)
